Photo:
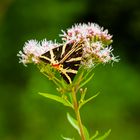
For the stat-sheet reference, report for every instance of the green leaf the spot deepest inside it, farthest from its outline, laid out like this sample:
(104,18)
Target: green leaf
(67,138)
(56,98)
(63,83)
(89,99)
(74,123)
(86,81)
(104,136)
(95,135)
(87,73)
(86,133)
(79,74)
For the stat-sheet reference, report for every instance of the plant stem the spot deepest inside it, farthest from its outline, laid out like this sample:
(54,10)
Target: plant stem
(77,113)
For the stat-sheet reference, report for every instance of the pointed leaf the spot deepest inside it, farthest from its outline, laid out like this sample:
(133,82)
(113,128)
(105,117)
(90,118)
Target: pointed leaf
(86,133)
(74,123)
(63,83)
(95,135)
(82,84)
(87,72)
(79,76)
(89,99)
(56,98)
(104,136)
(67,138)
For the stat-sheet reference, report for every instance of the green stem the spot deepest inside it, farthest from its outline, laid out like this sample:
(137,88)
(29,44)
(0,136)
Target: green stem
(77,113)
(54,79)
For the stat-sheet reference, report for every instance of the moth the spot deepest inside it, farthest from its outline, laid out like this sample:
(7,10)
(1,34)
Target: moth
(66,59)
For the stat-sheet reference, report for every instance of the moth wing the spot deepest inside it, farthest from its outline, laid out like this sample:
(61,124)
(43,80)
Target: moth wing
(71,65)
(52,54)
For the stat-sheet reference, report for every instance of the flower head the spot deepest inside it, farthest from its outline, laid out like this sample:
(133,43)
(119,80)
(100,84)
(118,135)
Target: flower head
(86,32)
(33,49)
(95,53)
(95,41)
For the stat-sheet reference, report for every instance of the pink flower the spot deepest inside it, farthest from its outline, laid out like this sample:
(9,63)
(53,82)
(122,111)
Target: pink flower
(94,39)
(33,49)
(95,53)
(84,32)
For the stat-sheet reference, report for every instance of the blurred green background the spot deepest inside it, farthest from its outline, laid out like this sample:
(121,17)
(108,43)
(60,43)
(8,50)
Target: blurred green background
(25,115)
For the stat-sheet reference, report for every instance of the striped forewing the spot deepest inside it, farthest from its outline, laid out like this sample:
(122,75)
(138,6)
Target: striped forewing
(68,57)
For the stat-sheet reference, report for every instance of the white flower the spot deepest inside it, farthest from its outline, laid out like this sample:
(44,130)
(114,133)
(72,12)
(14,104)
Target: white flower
(48,45)
(33,49)
(95,53)
(84,32)
(94,40)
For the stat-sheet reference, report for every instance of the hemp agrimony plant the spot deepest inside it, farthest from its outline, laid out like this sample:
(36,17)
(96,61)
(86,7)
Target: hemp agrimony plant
(70,66)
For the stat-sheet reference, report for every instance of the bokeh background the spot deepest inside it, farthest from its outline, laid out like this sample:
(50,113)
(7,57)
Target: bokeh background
(25,115)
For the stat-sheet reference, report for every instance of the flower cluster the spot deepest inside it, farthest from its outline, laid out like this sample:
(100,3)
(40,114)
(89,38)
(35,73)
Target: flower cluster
(94,39)
(95,42)
(85,32)
(94,53)
(33,49)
